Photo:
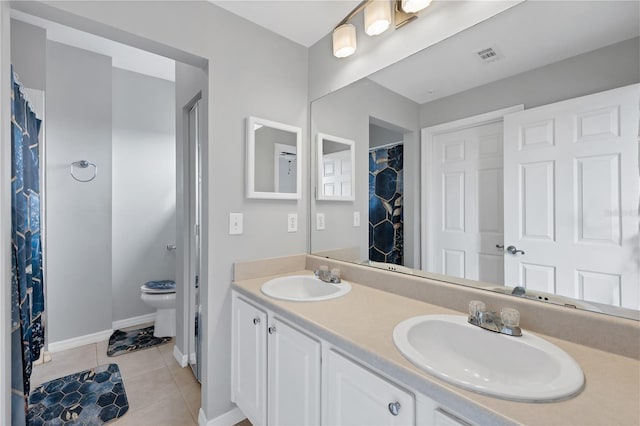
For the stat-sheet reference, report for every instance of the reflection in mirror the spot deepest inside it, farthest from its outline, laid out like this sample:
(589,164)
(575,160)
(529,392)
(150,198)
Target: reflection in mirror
(272,160)
(336,168)
(519,174)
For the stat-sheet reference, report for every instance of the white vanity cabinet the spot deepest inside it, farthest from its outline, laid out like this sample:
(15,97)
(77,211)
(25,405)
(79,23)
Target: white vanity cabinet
(249,360)
(275,368)
(356,396)
(279,372)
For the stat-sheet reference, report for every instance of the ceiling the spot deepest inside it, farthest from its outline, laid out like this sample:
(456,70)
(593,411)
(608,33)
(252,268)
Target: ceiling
(302,21)
(527,36)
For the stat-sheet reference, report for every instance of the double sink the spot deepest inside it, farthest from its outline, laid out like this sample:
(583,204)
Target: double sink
(526,368)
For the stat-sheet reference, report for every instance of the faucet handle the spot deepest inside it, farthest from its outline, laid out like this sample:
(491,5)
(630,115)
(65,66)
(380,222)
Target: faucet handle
(476,306)
(510,317)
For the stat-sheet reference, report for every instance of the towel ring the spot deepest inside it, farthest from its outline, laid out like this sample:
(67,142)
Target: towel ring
(83,164)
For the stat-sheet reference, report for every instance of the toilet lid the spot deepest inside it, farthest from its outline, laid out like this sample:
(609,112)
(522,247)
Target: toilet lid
(162,286)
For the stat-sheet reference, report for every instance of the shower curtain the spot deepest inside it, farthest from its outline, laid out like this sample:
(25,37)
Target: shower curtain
(385,205)
(27,297)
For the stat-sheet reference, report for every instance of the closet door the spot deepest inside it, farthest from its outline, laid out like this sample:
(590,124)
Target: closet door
(571,198)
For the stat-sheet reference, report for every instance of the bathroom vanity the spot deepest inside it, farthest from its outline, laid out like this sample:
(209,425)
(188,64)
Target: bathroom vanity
(334,361)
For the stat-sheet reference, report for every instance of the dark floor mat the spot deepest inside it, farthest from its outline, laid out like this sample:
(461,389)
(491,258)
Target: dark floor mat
(124,342)
(91,397)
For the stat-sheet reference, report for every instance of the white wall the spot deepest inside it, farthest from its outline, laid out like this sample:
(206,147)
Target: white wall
(347,114)
(78,105)
(251,72)
(143,188)
(602,69)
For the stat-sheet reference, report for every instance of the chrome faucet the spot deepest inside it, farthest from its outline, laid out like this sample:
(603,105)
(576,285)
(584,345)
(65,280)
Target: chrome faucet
(519,291)
(507,322)
(328,276)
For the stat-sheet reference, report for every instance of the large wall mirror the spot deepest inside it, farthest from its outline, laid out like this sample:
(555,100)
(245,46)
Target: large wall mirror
(273,164)
(514,169)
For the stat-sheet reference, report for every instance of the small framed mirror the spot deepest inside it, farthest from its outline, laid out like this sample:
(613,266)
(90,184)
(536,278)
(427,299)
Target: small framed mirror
(274,168)
(336,168)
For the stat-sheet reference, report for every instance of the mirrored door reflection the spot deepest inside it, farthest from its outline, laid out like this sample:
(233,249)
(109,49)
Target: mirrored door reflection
(195,177)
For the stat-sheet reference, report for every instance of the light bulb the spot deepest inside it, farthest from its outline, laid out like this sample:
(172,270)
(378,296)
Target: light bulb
(414,6)
(344,40)
(377,17)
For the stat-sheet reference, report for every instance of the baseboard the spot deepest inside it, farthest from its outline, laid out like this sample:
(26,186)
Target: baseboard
(45,356)
(229,418)
(76,342)
(130,322)
(182,359)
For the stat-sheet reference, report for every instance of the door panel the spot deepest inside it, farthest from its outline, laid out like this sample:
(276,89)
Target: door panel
(466,167)
(571,177)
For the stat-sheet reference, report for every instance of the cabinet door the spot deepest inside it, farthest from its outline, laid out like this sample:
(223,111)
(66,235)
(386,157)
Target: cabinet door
(356,396)
(249,358)
(294,377)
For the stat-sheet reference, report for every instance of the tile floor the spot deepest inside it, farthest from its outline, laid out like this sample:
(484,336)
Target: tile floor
(160,392)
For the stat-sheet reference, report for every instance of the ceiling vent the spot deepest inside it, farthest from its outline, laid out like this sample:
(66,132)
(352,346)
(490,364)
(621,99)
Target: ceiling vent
(488,54)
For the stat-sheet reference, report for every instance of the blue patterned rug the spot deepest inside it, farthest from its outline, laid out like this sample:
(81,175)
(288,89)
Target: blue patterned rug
(123,342)
(91,397)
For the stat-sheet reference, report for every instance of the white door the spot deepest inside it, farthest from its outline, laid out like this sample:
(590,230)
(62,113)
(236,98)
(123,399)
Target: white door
(355,396)
(294,377)
(249,359)
(571,196)
(336,174)
(466,170)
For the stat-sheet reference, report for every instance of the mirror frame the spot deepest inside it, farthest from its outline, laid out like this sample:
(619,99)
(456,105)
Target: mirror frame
(320,138)
(251,160)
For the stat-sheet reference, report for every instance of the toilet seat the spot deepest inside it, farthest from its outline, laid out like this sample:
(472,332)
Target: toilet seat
(159,287)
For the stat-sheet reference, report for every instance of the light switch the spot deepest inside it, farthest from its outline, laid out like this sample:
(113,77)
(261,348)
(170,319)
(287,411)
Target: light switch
(292,222)
(235,223)
(320,221)
(356,219)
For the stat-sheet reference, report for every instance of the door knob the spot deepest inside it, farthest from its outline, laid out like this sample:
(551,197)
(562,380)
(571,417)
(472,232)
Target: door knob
(271,330)
(256,321)
(394,408)
(513,250)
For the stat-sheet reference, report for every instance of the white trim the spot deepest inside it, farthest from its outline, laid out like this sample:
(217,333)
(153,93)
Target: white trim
(130,322)
(427,135)
(180,358)
(76,342)
(231,417)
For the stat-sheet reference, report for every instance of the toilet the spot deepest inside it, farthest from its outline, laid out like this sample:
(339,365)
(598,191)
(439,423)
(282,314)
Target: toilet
(161,295)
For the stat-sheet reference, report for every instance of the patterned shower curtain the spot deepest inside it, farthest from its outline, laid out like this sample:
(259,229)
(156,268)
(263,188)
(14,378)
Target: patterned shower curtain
(27,297)
(385,205)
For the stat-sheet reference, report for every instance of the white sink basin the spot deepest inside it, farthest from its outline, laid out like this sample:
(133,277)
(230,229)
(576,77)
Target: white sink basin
(304,288)
(525,368)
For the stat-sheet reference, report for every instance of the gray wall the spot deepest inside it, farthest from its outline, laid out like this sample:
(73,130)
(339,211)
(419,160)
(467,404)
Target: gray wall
(602,69)
(379,136)
(78,104)
(143,188)
(28,47)
(347,114)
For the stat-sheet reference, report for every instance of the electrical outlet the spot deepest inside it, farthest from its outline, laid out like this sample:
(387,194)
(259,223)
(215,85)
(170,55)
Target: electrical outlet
(235,223)
(292,222)
(356,219)
(320,221)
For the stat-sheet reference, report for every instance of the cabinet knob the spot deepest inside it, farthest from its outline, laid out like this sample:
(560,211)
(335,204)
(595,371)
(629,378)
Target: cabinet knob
(271,330)
(394,408)
(256,321)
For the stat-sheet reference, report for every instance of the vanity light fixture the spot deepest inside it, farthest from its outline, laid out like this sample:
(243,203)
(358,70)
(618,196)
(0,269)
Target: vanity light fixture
(378,15)
(344,40)
(414,6)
